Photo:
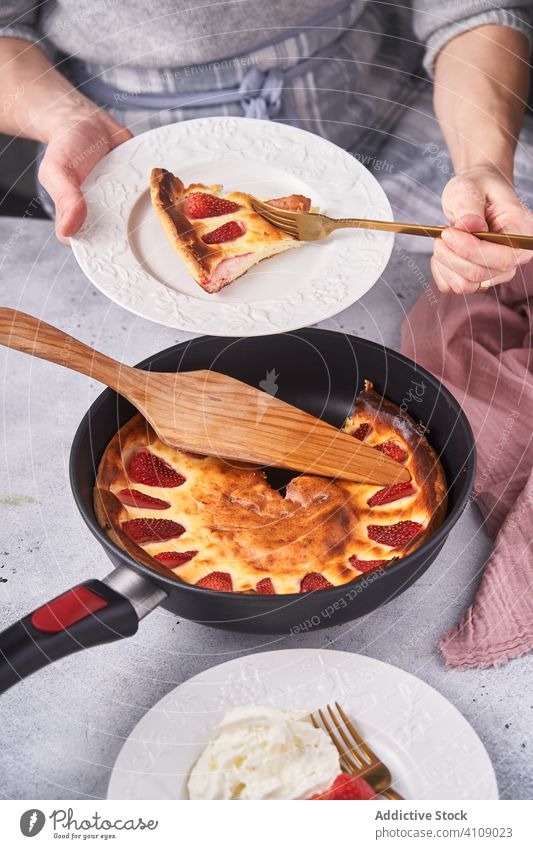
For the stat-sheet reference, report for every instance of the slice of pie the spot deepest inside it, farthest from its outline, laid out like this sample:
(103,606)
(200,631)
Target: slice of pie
(218,236)
(222,526)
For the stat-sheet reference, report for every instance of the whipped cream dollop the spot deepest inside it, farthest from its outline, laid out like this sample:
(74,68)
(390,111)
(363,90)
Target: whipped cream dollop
(263,753)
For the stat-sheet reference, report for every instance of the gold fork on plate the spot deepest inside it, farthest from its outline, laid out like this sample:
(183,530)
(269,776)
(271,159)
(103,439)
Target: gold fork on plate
(311,226)
(356,756)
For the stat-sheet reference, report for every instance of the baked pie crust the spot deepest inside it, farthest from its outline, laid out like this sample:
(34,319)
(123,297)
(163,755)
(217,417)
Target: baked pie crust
(220,524)
(236,239)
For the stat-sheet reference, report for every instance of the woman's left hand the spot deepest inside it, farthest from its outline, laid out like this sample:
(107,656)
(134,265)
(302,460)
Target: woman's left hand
(76,141)
(480,199)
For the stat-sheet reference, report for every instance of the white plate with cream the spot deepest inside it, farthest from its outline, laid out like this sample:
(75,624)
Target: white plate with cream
(430,748)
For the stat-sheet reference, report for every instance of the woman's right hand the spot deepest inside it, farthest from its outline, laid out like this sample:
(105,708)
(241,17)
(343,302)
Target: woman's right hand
(480,200)
(75,143)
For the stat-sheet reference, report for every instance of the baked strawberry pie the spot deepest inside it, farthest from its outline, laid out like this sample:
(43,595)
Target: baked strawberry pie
(221,526)
(218,236)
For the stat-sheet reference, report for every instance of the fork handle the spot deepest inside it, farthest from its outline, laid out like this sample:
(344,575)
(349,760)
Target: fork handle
(392,794)
(513,240)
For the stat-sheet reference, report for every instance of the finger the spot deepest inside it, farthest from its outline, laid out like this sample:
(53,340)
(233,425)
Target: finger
(489,254)
(117,133)
(453,281)
(463,267)
(63,187)
(120,136)
(442,284)
(72,211)
(464,204)
(490,282)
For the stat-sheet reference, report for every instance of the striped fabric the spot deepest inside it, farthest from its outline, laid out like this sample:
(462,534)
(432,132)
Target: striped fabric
(347,79)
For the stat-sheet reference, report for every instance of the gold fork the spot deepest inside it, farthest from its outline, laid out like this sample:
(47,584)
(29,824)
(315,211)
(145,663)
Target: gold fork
(311,226)
(356,756)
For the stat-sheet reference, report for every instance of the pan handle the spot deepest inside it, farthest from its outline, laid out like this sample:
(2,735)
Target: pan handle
(89,614)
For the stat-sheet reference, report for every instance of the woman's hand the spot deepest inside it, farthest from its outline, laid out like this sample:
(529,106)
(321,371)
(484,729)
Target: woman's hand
(480,199)
(76,143)
(50,110)
(481,123)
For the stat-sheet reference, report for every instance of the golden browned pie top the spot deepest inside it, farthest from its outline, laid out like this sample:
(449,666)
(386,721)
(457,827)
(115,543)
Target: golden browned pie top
(220,524)
(218,236)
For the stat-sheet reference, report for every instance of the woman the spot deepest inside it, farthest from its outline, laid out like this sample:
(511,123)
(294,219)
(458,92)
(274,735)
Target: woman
(335,69)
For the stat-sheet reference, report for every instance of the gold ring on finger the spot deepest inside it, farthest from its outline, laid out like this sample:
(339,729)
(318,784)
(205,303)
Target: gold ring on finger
(484,286)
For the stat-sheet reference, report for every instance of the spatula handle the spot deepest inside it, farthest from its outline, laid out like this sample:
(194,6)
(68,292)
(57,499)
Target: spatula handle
(28,334)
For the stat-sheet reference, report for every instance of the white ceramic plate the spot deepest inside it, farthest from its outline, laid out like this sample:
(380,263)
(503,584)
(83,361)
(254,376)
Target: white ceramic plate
(123,250)
(431,750)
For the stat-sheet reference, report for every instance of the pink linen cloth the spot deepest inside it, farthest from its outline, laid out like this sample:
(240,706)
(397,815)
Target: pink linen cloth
(480,347)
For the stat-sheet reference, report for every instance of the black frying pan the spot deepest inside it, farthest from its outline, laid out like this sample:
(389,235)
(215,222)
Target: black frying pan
(318,371)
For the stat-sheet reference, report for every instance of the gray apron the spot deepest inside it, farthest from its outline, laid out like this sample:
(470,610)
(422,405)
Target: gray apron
(346,74)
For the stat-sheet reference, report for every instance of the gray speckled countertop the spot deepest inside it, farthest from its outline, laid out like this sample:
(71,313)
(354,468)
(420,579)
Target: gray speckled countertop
(63,727)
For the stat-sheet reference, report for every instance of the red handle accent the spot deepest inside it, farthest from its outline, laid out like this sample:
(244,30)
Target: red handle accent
(66,610)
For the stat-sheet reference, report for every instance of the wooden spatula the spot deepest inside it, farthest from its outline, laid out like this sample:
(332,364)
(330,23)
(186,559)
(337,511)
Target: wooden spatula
(211,413)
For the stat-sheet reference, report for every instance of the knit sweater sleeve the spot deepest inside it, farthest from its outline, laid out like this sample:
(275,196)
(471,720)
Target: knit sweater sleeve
(19,19)
(436,22)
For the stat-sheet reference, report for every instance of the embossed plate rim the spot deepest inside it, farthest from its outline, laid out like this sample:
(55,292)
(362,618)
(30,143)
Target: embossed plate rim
(447,762)
(104,253)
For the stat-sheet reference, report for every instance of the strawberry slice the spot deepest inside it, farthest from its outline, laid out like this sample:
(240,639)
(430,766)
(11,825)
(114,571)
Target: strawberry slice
(172,559)
(151,470)
(391,493)
(314,581)
(392,449)
(220,581)
(362,431)
(202,205)
(134,498)
(228,232)
(265,587)
(152,530)
(347,788)
(394,535)
(364,565)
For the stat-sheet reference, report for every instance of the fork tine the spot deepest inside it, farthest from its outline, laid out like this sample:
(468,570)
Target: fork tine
(257,201)
(270,210)
(286,223)
(345,760)
(263,209)
(350,758)
(275,210)
(365,749)
(350,764)
(283,222)
(363,763)
(281,225)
